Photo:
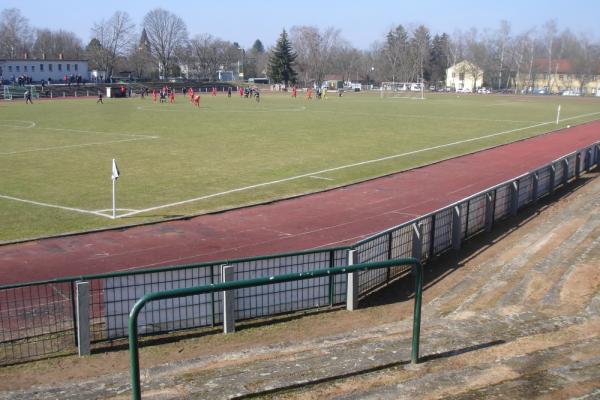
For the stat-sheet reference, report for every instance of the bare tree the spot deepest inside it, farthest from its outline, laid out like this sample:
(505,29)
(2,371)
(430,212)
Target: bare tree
(15,34)
(166,32)
(209,54)
(52,43)
(548,38)
(503,38)
(315,50)
(115,37)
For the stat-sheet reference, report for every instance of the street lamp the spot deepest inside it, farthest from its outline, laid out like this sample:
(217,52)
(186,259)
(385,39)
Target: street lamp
(241,71)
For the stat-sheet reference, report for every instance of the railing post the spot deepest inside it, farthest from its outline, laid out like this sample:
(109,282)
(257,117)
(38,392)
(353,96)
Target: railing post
(432,237)
(414,358)
(588,159)
(489,212)
(83,318)
(577,164)
(228,300)
(417,241)
(331,293)
(535,189)
(514,198)
(456,228)
(388,273)
(352,285)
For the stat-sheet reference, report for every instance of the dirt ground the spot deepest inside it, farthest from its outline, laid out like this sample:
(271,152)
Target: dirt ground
(532,288)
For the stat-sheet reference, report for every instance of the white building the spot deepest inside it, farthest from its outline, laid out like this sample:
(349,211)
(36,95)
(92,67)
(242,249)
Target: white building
(464,75)
(42,69)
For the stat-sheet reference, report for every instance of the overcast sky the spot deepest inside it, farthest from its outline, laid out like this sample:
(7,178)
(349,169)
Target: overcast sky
(360,22)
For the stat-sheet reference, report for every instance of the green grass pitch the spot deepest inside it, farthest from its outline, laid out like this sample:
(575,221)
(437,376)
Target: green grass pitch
(176,159)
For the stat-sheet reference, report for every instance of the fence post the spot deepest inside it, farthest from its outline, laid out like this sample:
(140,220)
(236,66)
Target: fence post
(577,164)
(228,300)
(588,159)
(489,212)
(331,278)
(535,189)
(432,237)
(456,228)
(389,255)
(417,241)
(83,318)
(552,178)
(352,285)
(514,198)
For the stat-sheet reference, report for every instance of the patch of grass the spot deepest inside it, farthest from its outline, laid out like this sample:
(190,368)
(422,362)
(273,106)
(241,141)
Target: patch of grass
(59,152)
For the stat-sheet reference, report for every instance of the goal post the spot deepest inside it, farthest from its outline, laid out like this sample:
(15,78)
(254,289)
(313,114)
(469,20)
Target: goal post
(403,90)
(7,95)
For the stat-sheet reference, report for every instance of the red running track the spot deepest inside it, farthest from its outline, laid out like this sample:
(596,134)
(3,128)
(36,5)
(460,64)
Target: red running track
(331,218)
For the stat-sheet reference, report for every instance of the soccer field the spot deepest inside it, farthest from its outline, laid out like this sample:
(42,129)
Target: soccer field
(176,159)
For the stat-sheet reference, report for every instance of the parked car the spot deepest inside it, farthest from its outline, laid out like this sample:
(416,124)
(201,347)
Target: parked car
(464,90)
(570,93)
(483,90)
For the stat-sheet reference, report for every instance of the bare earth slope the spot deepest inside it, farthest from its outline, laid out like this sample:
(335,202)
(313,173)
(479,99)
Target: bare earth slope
(515,315)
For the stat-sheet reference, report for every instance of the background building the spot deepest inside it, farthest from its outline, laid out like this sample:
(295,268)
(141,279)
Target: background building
(44,69)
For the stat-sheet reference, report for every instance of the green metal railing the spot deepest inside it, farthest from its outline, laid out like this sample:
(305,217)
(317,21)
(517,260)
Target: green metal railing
(218,287)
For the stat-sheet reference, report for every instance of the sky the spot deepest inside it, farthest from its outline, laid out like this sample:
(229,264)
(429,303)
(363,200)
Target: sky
(361,22)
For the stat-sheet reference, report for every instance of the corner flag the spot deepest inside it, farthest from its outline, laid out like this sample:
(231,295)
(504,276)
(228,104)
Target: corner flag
(115,171)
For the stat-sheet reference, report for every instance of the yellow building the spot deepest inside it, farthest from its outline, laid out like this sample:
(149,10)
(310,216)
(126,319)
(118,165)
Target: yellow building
(563,78)
(464,76)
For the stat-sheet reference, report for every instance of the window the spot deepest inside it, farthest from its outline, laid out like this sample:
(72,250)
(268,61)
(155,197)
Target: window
(461,76)
(50,67)
(68,67)
(75,66)
(33,68)
(561,77)
(454,74)
(18,68)
(10,68)
(60,67)
(41,67)
(25,68)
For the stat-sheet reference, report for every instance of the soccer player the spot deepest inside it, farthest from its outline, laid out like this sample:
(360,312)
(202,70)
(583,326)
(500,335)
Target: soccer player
(28,97)
(99,97)
(172,97)
(241,91)
(191,94)
(309,94)
(214,91)
(197,100)
(154,95)
(294,91)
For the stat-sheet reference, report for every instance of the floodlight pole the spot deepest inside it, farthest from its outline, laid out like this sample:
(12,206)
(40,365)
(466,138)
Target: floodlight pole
(114,215)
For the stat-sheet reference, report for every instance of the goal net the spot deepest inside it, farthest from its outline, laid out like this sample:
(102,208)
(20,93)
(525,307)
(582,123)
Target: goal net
(402,90)
(7,95)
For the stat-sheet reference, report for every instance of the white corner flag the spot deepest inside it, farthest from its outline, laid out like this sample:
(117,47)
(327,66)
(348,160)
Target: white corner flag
(114,177)
(115,170)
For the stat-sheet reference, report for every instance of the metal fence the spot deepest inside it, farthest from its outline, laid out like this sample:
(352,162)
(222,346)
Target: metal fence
(40,319)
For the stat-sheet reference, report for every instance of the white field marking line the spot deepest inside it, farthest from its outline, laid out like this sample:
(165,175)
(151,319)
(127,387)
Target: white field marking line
(31,124)
(321,177)
(70,146)
(37,203)
(99,132)
(419,116)
(346,166)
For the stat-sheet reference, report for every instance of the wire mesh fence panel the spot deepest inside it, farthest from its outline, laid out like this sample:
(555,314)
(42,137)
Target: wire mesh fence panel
(525,190)
(442,239)
(339,282)
(559,173)
(502,203)
(426,226)
(464,212)
(544,184)
(476,217)
(36,321)
(401,247)
(284,297)
(112,299)
(571,163)
(376,249)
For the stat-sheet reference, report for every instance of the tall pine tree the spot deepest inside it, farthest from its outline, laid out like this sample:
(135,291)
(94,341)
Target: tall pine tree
(281,61)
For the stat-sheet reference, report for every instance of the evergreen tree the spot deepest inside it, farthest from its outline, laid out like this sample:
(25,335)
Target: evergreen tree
(258,47)
(439,58)
(281,69)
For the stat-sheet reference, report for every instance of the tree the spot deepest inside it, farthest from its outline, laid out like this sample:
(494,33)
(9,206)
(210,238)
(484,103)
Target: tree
(140,56)
(440,58)
(166,33)
(258,47)
(281,61)
(549,35)
(15,34)
(421,46)
(396,51)
(114,36)
(52,43)
(315,50)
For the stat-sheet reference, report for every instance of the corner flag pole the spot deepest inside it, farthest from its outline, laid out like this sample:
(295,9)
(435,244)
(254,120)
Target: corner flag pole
(558,114)
(114,177)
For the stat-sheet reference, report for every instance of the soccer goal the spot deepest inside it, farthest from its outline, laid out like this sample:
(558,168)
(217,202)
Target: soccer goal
(7,94)
(403,90)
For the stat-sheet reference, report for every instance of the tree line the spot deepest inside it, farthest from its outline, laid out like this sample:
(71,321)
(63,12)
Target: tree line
(160,46)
